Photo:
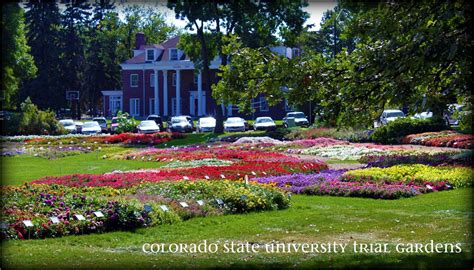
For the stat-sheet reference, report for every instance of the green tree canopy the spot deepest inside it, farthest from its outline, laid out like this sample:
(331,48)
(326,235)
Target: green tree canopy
(17,63)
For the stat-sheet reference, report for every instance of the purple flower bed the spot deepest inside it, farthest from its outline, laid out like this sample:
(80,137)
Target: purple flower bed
(297,182)
(328,183)
(366,190)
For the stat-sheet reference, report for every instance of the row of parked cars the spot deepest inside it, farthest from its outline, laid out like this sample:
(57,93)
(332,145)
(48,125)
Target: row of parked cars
(451,116)
(183,124)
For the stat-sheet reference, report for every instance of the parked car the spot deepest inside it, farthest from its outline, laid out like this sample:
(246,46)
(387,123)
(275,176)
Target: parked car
(157,120)
(299,119)
(102,123)
(206,124)
(453,114)
(264,123)
(148,126)
(390,115)
(114,124)
(78,127)
(182,123)
(69,125)
(233,124)
(91,127)
(423,115)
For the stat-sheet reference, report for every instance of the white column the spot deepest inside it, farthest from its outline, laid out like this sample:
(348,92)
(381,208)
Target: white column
(165,92)
(200,111)
(157,97)
(178,92)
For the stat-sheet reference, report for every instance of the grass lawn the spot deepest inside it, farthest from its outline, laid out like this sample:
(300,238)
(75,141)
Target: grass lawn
(22,169)
(444,217)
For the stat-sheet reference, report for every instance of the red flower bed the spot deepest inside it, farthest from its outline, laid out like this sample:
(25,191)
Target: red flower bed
(133,138)
(197,153)
(231,172)
(441,139)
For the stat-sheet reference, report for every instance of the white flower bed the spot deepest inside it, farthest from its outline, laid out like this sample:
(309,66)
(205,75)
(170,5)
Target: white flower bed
(257,140)
(342,152)
(198,163)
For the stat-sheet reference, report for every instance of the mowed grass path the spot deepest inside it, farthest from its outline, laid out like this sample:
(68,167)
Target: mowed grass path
(444,217)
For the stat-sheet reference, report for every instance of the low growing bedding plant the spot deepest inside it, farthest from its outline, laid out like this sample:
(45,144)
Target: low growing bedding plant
(125,209)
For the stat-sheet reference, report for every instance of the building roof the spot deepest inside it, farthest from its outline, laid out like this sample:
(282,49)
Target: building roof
(163,51)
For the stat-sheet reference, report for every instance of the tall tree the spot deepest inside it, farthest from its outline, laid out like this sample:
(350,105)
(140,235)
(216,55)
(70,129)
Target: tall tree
(17,63)
(43,26)
(102,65)
(75,22)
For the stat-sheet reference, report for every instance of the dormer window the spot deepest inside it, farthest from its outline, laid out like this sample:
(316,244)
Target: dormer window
(150,55)
(173,54)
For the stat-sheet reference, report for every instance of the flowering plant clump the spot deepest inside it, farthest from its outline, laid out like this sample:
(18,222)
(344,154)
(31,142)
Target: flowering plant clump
(342,152)
(22,138)
(125,209)
(50,151)
(133,138)
(441,139)
(432,159)
(366,190)
(436,177)
(198,163)
(297,182)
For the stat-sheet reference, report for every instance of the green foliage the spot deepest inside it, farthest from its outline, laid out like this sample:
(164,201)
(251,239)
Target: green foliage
(395,130)
(125,123)
(31,121)
(17,62)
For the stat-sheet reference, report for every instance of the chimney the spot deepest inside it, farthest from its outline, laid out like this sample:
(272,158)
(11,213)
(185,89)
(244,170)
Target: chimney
(139,40)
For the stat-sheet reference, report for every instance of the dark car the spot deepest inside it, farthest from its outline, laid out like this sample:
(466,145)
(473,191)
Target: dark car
(182,124)
(157,120)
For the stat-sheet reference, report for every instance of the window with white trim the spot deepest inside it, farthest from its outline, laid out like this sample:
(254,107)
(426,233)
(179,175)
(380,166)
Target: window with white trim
(133,80)
(173,80)
(296,52)
(152,80)
(152,106)
(134,106)
(263,105)
(173,54)
(150,55)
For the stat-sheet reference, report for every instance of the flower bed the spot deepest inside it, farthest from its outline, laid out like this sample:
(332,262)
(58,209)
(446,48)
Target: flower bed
(329,183)
(342,152)
(441,139)
(198,163)
(124,138)
(436,177)
(432,159)
(366,190)
(231,172)
(125,209)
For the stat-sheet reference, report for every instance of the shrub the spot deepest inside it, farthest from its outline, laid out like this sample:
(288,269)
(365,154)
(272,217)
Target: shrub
(394,131)
(125,123)
(32,121)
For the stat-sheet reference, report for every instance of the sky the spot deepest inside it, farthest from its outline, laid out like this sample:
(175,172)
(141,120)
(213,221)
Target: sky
(314,8)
